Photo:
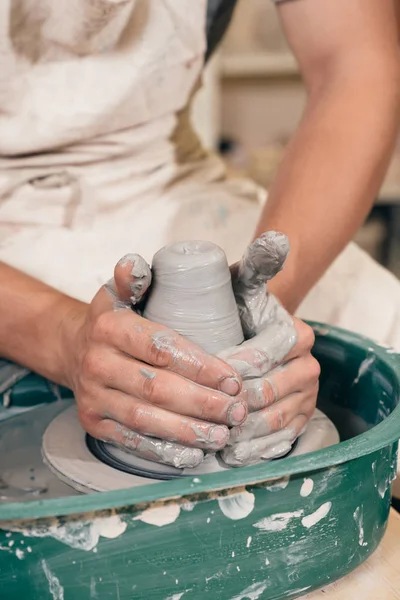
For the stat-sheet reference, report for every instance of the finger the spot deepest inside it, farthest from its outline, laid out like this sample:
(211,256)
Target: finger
(154,449)
(247,453)
(136,415)
(161,347)
(173,392)
(265,448)
(257,356)
(276,417)
(259,393)
(263,259)
(294,376)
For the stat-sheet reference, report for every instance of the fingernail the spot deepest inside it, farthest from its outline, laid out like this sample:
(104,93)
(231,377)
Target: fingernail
(126,260)
(230,386)
(237,413)
(219,435)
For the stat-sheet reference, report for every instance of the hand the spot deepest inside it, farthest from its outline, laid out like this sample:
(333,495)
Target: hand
(280,376)
(143,387)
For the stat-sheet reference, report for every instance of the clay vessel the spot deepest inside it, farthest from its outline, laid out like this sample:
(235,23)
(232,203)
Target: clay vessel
(192,294)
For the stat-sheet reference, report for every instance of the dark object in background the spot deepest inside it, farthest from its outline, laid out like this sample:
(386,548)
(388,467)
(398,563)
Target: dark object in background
(219,15)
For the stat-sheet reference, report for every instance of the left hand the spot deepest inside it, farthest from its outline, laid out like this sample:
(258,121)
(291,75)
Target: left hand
(280,376)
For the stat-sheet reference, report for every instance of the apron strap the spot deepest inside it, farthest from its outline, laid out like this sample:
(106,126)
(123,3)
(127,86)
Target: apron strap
(219,15)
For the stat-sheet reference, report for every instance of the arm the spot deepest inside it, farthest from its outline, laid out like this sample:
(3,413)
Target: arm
(334,165)
(32,324)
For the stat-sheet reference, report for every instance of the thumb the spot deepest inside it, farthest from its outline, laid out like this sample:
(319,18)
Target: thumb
(132,279)
(262,260)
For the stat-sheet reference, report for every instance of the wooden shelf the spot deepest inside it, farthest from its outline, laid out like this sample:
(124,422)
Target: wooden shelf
(389,194)
(258,64)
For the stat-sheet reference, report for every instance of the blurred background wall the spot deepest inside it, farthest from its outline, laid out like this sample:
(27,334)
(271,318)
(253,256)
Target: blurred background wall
(251,102)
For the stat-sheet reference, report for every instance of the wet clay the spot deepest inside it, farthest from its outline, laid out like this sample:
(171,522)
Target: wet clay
(262,260)
(195,293)
(192,294)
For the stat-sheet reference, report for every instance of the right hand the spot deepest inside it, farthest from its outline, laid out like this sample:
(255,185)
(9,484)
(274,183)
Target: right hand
(143,387)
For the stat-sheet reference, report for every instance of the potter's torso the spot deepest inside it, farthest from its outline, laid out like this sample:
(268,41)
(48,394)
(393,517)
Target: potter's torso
(72,70)
(90,93)
(97,156)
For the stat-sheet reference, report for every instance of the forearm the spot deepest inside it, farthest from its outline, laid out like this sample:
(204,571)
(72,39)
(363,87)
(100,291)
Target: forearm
(330,175)
(33,323)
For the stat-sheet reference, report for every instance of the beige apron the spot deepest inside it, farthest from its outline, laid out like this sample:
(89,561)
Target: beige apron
(99,159)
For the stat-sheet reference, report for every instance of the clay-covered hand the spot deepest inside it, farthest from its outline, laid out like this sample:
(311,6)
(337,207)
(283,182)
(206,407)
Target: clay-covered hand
(142,386)
(280,376)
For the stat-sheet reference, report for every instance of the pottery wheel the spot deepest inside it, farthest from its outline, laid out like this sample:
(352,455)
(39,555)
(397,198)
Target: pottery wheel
(88,465)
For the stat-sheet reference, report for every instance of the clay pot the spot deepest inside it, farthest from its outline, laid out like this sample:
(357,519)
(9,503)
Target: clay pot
(192,294)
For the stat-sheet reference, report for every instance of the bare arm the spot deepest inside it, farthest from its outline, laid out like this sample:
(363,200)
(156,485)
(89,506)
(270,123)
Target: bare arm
(32,324)
(335,163)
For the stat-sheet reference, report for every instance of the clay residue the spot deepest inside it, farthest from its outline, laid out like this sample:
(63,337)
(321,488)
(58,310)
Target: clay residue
(161,451)
(307,487)
(364,367)
(41,30)
(257,356)
(237,506)
(168,342)
(317,516)
(277,521)
(141,277)
(160,516)
(263,259)
(261,262)
(252,450)
(82,533)
(147,373)
(55,587)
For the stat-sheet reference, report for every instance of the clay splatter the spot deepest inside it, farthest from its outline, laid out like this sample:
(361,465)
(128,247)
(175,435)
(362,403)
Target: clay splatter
(277,522)
(215,576)
(148,374)
(55,587)
(93,592)
(160,516)
(280,484)
(359,517)
(237,506)
(316,516)
(253,592)
(83,535)
(365,365)
(307,487)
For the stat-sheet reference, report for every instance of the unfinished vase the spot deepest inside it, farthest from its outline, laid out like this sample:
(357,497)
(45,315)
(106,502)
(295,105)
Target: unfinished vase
(192,294)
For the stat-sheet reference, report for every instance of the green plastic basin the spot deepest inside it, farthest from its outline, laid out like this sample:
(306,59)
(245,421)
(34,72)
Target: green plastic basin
(271,531)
